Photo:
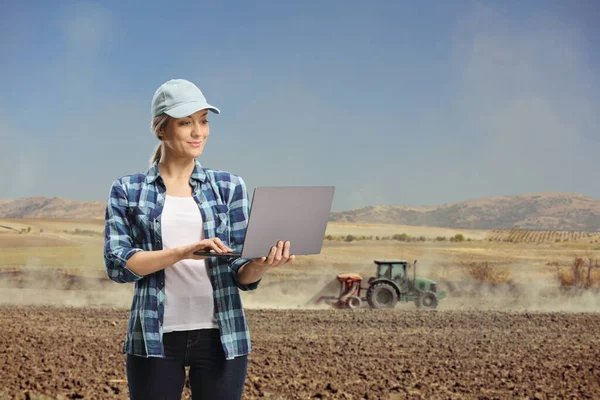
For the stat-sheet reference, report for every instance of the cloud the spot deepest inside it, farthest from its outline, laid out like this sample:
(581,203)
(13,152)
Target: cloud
(87,34)
(87,28)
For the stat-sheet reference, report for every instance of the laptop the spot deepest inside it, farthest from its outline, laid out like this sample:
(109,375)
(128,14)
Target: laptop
(295,213)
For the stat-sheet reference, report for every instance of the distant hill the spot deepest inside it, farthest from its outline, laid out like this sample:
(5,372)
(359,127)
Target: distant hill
(539,211)
(45,207)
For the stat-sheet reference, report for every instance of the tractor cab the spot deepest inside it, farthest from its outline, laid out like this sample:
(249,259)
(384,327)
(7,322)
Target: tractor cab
(393,270)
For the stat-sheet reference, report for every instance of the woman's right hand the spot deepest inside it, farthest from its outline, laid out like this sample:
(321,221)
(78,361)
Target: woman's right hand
(215,244)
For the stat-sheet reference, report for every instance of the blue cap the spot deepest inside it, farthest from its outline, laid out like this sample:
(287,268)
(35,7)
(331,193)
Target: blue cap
(179,98)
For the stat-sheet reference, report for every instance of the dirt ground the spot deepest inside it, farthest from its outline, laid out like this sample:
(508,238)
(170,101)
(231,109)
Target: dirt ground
(62,323)
(70,353)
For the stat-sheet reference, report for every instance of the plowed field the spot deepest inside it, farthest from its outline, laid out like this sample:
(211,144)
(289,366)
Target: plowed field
(302,354)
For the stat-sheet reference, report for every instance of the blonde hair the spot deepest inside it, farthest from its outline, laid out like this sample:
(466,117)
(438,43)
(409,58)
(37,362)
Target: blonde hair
(158,123)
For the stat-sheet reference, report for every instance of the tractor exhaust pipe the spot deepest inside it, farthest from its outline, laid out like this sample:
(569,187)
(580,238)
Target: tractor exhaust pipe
(415,273)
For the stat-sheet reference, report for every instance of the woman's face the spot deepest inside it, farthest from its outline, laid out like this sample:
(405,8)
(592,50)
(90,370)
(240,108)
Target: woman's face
(186,137)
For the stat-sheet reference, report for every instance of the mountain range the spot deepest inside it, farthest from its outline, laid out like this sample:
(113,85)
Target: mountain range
(537,211)
(46,207)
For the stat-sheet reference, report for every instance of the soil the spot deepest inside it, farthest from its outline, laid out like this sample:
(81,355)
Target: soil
(71,353)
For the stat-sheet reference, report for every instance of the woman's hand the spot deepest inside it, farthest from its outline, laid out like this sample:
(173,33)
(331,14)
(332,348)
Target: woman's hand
(254,270)
(279,255)
(215,244)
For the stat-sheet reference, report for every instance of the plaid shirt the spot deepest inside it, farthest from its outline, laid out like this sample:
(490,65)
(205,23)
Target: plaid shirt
(133,223)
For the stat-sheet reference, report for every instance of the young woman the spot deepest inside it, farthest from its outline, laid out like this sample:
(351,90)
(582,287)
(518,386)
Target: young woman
(186,309)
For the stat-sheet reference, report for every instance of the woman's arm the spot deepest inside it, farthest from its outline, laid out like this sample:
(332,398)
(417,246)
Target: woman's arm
(125,263)
(148,262)
(250,273)
(239,211)
(118,245)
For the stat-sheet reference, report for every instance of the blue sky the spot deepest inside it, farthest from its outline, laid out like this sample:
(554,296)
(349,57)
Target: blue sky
(393,102)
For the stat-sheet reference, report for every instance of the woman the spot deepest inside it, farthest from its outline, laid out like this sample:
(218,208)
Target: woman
(186,309)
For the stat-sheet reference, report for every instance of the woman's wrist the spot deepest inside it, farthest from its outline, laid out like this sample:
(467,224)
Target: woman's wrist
(257,266)
(178,254)
(251,272)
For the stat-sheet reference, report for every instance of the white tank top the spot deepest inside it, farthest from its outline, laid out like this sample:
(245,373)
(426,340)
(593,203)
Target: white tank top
(188,291)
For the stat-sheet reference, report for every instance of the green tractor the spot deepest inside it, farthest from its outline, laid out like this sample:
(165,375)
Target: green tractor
(393,283)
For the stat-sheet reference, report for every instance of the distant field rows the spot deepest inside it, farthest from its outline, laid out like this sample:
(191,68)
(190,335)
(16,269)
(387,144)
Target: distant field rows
(528,236)
(372,231)
(336,229)
(68,244)
(382,230)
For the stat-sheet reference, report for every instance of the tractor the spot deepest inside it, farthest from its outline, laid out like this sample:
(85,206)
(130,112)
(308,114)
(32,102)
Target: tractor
(391,284)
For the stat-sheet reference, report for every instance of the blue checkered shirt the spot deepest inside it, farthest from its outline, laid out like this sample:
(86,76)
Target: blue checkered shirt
(133,223)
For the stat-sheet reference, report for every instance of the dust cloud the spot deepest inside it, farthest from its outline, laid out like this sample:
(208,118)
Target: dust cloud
(53,287)
(293,292)
(523,292)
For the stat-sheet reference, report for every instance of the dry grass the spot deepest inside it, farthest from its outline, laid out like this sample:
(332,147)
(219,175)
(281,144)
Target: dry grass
(582,273)
(483,272)
(55,248)
(53,224)
(68,256)
(14,240)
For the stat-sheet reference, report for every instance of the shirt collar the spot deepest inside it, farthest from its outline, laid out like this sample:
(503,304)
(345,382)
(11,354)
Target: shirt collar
(198,174)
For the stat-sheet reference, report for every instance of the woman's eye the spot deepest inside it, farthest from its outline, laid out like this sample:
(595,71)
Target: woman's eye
(185,123)
(205,122)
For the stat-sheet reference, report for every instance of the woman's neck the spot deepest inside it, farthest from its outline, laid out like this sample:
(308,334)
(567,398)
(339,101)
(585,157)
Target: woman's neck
(176,168)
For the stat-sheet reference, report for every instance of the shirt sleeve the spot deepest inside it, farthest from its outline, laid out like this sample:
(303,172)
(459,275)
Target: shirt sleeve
(118,245)
(239,210)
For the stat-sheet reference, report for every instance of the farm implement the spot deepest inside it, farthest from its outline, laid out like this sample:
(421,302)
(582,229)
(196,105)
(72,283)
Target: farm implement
(391,284)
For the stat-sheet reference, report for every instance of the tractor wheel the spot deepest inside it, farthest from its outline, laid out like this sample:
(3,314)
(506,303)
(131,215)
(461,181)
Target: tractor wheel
(427,300)
(354,302)
(382,295)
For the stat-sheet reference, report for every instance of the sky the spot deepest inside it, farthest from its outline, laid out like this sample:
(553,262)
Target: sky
(392,102)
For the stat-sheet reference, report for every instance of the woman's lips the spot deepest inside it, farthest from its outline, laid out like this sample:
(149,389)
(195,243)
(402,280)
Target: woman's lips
(195,144)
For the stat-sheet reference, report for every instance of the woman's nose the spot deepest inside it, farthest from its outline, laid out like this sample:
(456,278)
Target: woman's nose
(195,129)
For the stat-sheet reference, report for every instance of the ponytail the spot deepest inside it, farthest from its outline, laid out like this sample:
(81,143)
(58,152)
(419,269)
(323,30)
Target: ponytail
(158,124)
(156,155)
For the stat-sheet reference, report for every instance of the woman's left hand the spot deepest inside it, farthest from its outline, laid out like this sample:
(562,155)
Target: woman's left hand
(254,270)
(279,255)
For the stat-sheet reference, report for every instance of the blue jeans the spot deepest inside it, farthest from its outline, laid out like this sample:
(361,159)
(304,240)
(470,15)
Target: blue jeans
(211,375)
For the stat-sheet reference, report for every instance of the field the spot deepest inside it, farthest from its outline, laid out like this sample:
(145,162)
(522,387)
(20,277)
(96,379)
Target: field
(525,334)
(74,353)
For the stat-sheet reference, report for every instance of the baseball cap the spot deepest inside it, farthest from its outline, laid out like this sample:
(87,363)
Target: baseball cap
(179,98)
